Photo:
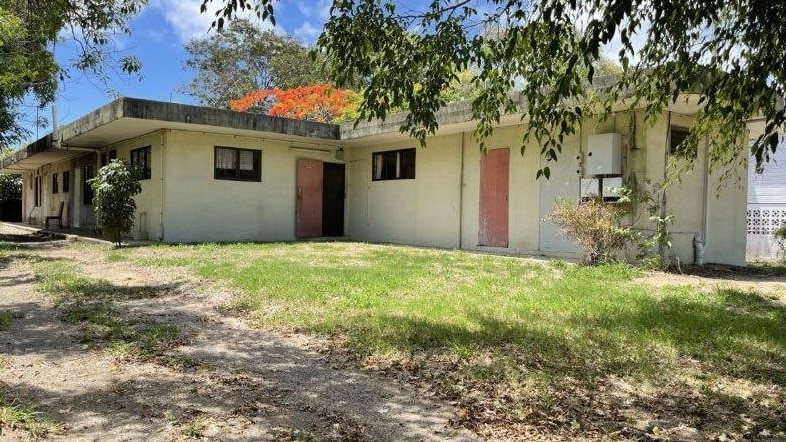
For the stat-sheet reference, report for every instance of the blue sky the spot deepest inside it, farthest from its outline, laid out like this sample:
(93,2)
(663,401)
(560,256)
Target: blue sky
(157,38)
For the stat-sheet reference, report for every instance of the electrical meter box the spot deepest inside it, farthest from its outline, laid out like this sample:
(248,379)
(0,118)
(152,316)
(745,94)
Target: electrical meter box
(611,187)
(590,188)
(604,154)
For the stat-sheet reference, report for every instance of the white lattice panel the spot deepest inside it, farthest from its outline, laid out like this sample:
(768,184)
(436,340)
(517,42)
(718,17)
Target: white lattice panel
(765,220)
(762,222)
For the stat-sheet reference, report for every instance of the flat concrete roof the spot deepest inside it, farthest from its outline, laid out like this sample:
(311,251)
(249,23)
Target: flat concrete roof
(127,118)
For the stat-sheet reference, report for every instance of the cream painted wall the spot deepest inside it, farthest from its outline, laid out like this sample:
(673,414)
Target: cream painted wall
(198,207)
(422,211)
(53,200)
(86,215)
(685,199)
(523,199)
(149,207)
(727,215)
(28,197)
(50,202)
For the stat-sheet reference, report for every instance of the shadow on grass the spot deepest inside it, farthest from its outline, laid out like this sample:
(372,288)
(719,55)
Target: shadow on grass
(27,237)
(752,272)
(740,340)
(739,334)
(24,254)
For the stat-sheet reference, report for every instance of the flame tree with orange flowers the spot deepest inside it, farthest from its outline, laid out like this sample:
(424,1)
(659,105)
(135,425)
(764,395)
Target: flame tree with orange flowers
(318,102)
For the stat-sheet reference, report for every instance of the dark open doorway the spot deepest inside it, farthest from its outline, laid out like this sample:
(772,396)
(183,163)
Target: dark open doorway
(333,199)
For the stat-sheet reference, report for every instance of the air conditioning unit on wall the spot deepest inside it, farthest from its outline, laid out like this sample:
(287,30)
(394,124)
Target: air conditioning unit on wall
(604,155)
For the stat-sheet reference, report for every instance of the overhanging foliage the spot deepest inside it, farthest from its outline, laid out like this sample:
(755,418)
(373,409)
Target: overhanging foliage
(729,53)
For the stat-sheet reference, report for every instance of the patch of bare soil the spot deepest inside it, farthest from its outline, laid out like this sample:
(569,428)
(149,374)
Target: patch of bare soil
(225,381)
(563,407)
(712,276)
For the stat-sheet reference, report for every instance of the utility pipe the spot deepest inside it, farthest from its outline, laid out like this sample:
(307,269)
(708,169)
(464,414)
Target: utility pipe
(461,193)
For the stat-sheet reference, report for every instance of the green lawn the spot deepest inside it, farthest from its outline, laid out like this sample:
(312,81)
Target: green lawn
(519,343)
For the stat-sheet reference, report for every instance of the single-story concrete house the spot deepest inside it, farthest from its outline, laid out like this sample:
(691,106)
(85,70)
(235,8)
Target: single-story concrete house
(219,175)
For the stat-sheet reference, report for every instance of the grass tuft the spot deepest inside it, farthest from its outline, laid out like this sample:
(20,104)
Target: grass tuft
(154,340)
(91,304)
(16,415)
(195,427)
(7,318)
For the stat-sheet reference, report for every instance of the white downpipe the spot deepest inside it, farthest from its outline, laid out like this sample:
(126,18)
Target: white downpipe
(662,211)
(700,243)
(160,227)
(461,194)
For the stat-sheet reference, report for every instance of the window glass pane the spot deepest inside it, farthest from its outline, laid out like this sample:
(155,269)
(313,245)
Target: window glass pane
(225,158)
(677,136)
(377,168)
(87,194)
(237,164)
(140,161)
(393,165)
(408,164)
(246,160)
(390,165)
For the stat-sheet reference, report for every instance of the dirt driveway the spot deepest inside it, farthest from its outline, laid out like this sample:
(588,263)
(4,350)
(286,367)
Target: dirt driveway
(239,383)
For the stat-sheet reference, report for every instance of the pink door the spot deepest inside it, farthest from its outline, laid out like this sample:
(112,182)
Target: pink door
(494,169)
(308,210)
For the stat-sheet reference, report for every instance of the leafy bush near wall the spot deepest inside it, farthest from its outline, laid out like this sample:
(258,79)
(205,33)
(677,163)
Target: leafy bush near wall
(645,199)
(596,226)
(115,187)
(780,237)
(780,233)
(10,187)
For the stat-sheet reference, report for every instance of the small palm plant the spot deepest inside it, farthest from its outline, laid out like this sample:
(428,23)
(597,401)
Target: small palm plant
(115,187)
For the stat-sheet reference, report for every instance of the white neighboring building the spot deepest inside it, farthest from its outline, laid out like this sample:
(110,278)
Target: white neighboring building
(766,206)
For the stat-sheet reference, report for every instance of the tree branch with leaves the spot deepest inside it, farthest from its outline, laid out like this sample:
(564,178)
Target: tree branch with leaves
(540,58)
(29,29)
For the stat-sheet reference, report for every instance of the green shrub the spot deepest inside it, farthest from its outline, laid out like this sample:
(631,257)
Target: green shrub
(780,233)
(780,238)
(594,225)
(115,188)
(10,187)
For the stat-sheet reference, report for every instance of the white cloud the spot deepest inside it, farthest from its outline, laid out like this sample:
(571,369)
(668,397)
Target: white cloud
(314,13)
(307,32)
(156,35)
(319,9)
(184,17)
(186,20)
